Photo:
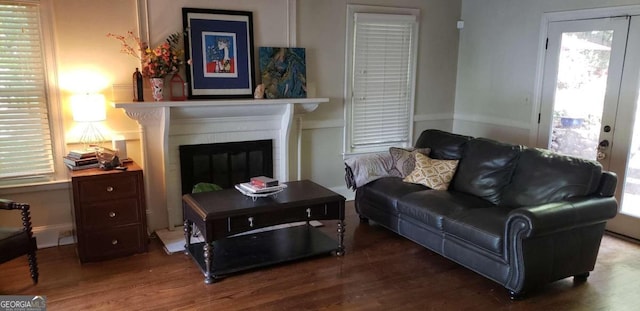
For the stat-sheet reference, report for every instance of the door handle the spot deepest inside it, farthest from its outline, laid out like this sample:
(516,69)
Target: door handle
(601,147)
(603,144)
(601,156)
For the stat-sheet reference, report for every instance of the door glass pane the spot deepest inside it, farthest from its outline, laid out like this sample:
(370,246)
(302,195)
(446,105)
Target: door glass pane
(579,98)
(631,195)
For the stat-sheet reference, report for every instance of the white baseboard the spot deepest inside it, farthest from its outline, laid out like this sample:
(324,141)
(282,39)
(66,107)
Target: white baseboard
(54,235)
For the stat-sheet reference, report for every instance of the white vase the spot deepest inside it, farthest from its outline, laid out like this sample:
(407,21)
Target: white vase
(157,84)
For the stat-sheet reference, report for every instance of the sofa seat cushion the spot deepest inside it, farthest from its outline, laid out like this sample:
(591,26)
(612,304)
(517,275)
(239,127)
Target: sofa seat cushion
(385,192)
(486,168)
(431,207)
(542,177)
(482,227)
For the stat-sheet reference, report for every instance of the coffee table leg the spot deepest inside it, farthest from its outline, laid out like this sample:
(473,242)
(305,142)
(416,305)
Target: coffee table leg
(187,236)
(340,250)
(208,261)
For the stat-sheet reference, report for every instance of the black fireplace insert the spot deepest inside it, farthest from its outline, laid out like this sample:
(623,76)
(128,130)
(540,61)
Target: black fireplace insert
(225,164)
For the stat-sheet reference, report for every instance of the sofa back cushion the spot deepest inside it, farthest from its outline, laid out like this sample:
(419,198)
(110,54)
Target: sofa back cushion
(433,173)
(486,168)
(403,161)
(542,177)
(444,145)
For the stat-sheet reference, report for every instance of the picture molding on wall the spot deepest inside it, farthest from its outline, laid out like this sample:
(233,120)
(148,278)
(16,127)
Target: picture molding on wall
(219,52)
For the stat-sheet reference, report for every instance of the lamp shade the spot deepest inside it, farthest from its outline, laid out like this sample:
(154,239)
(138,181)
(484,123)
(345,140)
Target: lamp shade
(88,108)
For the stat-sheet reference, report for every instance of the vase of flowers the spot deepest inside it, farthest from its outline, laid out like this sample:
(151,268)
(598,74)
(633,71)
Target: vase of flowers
(156,63)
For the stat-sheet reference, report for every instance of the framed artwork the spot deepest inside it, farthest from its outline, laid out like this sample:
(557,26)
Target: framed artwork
(219,53)
(283,72)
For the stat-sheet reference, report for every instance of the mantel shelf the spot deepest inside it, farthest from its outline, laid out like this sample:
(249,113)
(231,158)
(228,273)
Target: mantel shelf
(145,112)
(219,102)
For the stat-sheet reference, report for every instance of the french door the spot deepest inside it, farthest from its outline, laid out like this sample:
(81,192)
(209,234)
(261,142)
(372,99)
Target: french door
(590,90)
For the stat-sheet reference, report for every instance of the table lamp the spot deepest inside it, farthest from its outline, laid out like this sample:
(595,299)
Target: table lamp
(89,109)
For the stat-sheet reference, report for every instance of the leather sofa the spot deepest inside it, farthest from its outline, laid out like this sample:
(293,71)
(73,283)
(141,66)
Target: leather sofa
(522,217)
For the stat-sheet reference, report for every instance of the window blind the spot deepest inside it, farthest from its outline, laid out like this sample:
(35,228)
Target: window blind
(25,136)
(382,81)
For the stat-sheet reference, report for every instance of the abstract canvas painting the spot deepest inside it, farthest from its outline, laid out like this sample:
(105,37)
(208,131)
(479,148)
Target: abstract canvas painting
(283,72)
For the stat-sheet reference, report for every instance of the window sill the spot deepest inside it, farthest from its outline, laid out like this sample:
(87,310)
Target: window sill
(374,149)
(347,155)
(35,187)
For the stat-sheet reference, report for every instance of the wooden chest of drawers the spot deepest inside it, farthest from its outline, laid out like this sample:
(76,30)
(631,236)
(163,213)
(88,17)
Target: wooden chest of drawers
(109,212)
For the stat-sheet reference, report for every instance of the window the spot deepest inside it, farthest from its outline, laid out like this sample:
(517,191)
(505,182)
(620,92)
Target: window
(381,58)
(26,149)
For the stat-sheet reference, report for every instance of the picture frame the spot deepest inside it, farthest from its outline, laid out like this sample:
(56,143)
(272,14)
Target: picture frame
(219,53)
(283,71)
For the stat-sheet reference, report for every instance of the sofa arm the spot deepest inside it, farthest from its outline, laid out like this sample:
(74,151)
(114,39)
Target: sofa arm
(365,168)
(564,215)
(549,242)
(607,186)
(348,178)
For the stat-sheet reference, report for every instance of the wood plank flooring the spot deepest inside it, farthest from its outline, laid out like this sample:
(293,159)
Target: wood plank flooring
(381,271)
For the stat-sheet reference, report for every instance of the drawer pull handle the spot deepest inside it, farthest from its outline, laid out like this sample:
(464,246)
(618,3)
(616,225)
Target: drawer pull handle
(251,222)
(112,214)
(308,213)
(109,189)
(114,241)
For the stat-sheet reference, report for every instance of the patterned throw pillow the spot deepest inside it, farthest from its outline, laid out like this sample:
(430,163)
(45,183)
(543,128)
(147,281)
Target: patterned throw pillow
(435,174)
(403,161)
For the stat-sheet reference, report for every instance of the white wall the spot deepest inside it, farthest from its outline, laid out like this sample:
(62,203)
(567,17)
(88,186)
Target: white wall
(321,29)
(499,46)
(270,19)
(85,58)
(319,26)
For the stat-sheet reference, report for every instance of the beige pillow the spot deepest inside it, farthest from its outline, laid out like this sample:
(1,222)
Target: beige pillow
(435,174)
(403,161)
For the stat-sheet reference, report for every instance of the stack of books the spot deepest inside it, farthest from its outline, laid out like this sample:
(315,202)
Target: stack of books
(261,184)
(81,159)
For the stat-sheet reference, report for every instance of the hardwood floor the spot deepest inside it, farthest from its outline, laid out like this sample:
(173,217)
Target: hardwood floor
(381,271)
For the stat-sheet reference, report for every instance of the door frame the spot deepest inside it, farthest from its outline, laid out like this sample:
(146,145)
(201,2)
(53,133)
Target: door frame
(629,91)
(623,221)
(547,18)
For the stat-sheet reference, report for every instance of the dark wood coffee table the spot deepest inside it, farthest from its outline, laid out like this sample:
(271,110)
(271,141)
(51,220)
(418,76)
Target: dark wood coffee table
(220,215)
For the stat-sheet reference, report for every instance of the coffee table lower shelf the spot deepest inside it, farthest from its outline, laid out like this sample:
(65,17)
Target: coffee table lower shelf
(250,251)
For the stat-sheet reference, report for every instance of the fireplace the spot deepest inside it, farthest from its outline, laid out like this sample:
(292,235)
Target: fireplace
(165,126)
(224,164)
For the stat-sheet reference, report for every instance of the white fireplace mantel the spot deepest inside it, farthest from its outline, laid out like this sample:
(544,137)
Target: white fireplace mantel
(167,124)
